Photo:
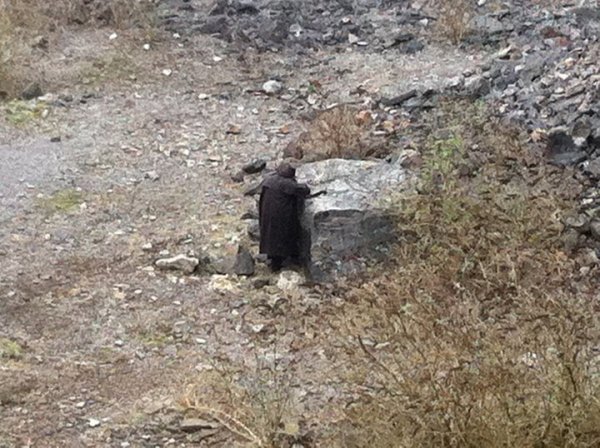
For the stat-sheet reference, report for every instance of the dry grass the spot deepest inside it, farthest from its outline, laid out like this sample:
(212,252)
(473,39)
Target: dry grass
(454,17)
(254,405)
(477,335)
(28,27)
(339,132)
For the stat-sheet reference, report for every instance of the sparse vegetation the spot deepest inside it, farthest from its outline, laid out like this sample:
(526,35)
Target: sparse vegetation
(63,201)
(479,340)
(454,17)
(475,336)
(21,112)
(10,349)
(20,48)
(256,407)
(339,132)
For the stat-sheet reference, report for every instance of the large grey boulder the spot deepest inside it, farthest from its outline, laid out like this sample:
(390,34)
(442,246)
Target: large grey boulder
(353,222)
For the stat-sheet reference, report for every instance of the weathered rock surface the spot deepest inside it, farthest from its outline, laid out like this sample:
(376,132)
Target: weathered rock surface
(352,221)
(181,263)
(244,262)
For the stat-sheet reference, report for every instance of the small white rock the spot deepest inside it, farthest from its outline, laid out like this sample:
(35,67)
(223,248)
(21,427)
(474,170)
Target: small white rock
(146,47)
(179,263)
(289,280)
(113,36)
(93,423)
(167,72)
(203,96)
(272,87)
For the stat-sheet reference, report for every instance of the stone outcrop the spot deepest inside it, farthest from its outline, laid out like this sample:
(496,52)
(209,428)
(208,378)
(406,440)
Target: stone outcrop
(352,222)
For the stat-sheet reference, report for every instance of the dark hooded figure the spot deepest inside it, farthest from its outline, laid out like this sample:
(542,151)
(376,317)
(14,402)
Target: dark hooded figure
(280,200)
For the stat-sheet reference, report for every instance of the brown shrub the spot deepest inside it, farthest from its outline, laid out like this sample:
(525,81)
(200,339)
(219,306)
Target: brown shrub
(454,17)
(339,132)
(477,335)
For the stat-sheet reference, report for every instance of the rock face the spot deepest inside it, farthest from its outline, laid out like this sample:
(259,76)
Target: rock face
(352,221)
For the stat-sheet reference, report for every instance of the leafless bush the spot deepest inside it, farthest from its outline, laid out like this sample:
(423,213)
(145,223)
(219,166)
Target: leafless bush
(254,407)
(339,132)
(454,17)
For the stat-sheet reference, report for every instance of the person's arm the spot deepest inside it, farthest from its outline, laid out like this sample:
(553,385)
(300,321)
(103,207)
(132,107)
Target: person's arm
(293,188)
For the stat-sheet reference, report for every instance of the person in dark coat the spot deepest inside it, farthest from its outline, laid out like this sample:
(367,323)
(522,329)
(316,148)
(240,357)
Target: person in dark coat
(280,200)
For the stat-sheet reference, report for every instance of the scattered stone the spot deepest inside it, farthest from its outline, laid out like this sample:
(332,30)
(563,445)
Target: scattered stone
(255,166)
(595,229)
(55,139)
(244,262)
(272,87)
(179,263)
(477,86)
(251,214)
(234,129)
(398,100)
(261,283)
(254,230)
(196,424)
(561,148)
(40,42)
(32,91)
(222,265)
(152,175)
(289,280)
(93,423)
(238,177)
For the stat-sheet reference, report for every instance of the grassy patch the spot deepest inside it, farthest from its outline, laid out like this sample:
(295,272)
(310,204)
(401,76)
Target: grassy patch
(20,113)
(10,349)
(113,66)
(64,201)
(154,338)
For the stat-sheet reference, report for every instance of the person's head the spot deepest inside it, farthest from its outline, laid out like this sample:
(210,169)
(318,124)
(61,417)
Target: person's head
(286,170)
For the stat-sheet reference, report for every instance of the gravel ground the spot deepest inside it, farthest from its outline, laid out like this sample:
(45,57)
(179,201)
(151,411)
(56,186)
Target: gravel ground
(144,166)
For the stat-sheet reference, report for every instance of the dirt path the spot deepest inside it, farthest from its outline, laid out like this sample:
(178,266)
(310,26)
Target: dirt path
(143,166)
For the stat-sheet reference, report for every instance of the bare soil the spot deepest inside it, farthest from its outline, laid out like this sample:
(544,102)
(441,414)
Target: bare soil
(108,343)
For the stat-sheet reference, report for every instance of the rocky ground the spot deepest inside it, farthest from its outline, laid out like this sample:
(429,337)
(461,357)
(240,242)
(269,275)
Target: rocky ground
(134,162)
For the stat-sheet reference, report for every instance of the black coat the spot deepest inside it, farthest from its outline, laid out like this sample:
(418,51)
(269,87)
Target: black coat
(280,201)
